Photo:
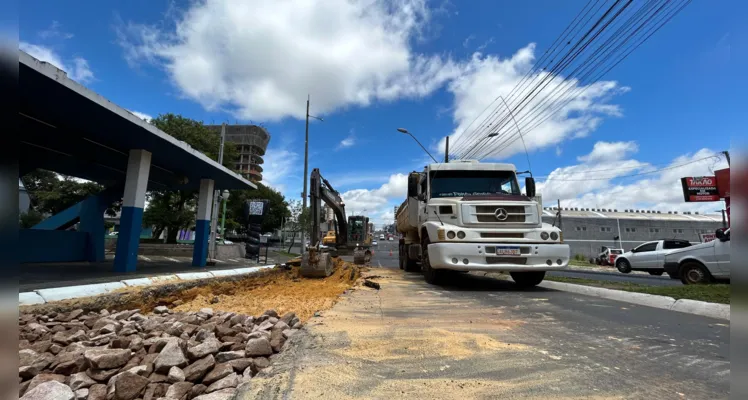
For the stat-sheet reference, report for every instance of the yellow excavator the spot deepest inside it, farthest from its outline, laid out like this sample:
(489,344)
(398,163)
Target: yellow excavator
(352,232)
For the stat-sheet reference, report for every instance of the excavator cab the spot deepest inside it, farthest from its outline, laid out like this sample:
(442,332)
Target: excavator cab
(358,233)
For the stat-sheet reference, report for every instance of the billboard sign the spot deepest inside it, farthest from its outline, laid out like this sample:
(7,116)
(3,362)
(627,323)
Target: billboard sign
(700,188)
(707,237)
(723,182)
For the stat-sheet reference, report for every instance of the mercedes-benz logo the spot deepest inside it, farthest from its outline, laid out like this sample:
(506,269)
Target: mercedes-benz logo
(501,214)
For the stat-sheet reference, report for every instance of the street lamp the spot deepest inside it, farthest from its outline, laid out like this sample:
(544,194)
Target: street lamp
(306,163)
(405,131)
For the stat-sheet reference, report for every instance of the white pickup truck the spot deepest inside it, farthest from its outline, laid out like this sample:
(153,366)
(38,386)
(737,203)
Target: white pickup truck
(701,263)
(649,256)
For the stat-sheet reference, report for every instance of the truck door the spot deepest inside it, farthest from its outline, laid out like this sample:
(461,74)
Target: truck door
(722,255)
(645,256)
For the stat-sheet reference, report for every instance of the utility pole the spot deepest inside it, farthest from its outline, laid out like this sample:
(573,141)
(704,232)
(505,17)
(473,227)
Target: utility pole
(560,224)
(306,170)
(446,152)
(216,195)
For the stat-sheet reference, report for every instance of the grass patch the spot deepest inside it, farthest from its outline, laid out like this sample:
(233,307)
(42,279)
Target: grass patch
(285,253)
(713,293)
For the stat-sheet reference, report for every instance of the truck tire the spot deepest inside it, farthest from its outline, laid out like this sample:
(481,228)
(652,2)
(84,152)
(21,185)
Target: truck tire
(401,256)
(623,266)
(432,276)
(528,279)
(693,273)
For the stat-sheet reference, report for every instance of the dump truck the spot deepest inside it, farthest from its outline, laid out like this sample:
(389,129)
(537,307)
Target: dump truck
(470,216)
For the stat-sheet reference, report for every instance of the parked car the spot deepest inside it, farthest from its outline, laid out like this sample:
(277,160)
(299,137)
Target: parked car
(608,256)
(374,243)
(649,256)
(702,263)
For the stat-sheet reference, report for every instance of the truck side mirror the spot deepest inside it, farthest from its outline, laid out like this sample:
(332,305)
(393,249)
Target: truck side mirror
(720,234)
(530,186)
(413,181)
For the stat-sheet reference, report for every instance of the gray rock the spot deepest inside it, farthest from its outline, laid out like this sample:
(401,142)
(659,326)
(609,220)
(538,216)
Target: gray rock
(199,368)
(261,363)
(175,375)
(281,326)
(44,378)
(241,364)
(51,390)
(218,372)
(142,370)
(108,328)
(288,333)
(81,380)
(81,394)
(259,334)
(206,311)
(271,313)
(161,310)
(170,356)
(210,346)
(179,390)
(26,357)
(197,390)
(28,372)
(266,326)
(229,355)
(107,358)
(97,392)
(247,374)
(129,386)
(225,394)
(287,317)
(277,340)
(229,381)
(258,347)
(155,390)
(102,375)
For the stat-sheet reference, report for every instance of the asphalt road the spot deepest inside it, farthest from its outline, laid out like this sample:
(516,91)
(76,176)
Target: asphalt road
(479,337)
(382,258)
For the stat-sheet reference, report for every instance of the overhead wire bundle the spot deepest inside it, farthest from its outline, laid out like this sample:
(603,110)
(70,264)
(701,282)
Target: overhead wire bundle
(600,37)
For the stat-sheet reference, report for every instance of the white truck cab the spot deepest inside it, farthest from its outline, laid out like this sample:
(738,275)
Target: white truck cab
(470,216)
(702,263)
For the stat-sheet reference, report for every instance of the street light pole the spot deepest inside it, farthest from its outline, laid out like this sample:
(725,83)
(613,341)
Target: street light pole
(216,194)
(306,167)
(225,199)
(405,131)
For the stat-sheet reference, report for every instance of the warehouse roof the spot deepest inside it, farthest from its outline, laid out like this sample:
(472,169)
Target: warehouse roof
(652,215)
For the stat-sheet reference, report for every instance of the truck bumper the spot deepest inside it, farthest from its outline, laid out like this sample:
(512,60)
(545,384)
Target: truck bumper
(671,268)
(483,257)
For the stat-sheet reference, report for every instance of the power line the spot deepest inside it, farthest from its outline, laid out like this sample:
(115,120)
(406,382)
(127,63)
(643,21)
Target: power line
(546,178)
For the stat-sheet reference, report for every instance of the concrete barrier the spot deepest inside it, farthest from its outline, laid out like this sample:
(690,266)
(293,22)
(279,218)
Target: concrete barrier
(187,276)
(714,310)
(138,282)
(74,292)
(224,272)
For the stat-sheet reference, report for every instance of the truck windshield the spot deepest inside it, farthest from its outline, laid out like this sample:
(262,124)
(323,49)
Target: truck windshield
(473,183)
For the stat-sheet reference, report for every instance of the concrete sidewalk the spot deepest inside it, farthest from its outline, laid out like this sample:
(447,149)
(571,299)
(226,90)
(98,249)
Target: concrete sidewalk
(51,275)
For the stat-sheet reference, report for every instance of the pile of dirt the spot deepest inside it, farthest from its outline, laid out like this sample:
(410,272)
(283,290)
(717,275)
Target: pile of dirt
(282,290)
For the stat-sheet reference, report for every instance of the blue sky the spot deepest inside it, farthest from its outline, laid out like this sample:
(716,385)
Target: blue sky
(426,66)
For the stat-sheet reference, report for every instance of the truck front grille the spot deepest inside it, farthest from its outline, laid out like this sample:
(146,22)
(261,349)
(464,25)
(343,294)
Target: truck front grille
(502,235)
(488,214)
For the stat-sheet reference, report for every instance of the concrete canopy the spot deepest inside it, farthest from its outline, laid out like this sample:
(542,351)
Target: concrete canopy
(69,129)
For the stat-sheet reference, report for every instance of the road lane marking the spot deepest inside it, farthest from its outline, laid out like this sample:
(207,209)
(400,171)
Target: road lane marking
(144,258)
(171,259)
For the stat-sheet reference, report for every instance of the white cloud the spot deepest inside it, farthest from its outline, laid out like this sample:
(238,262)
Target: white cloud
(602,182)
(142,116)
(54,31)
(377,201)
(347,142)
(78,70)
(280,171)
(488,76)
(260,59)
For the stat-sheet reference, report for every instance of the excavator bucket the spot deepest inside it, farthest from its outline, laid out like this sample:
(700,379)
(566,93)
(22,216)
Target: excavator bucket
(361,256)
(315,264)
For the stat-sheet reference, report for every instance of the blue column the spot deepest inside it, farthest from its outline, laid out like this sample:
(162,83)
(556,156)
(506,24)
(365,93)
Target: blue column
(202,224)
(131,219)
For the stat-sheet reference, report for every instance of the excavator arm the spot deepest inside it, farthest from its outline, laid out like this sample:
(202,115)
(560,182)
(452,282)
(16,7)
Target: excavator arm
(321,190)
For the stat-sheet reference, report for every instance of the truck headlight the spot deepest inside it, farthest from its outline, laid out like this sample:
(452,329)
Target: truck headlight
(544,235)
(450,235)
(554,235)
(460,235)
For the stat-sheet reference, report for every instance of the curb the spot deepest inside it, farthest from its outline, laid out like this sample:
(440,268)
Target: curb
(43,296)
(703,308)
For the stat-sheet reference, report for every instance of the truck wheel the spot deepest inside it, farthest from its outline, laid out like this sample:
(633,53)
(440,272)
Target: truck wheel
(528,279)
(400,255)
(694,273)
(656,272)
(623,266)
(432,276)
(411,265)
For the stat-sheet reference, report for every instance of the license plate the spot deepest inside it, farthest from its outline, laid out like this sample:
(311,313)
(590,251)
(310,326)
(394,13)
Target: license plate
(507,251)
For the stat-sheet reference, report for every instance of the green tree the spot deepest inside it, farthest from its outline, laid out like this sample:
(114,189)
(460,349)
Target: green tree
(277,204)
(51,193)
(299,221)
(174,210)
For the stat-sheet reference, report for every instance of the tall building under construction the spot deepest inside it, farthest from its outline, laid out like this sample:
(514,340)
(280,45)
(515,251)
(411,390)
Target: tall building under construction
(251,142)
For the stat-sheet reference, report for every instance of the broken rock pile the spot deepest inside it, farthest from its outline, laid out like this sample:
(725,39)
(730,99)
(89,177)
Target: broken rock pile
(127,355)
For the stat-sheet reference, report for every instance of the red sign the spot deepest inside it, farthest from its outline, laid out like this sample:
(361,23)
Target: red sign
(723,182)
(707,237)
(700,188)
